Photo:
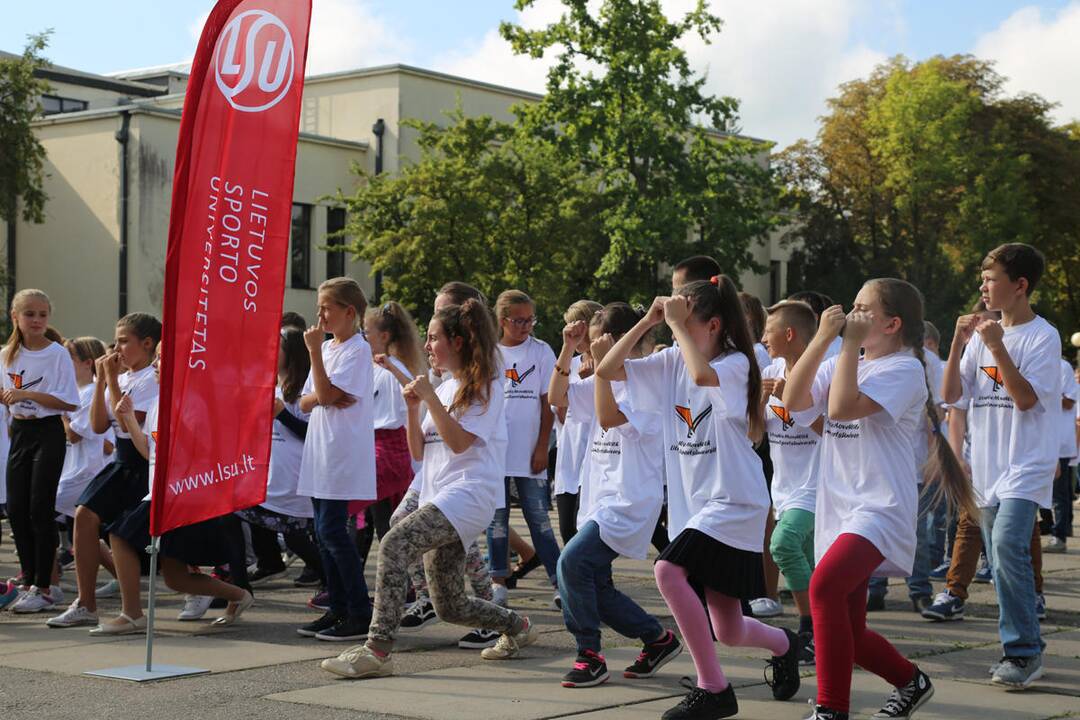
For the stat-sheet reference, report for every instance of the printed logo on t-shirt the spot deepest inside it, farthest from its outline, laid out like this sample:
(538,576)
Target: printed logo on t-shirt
(785,417)
(515,377)
(692,421)
(153,434)
(19,384)
(994,374)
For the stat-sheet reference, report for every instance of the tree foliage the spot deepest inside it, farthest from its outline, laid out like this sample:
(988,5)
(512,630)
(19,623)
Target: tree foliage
(23,158)
(920,169)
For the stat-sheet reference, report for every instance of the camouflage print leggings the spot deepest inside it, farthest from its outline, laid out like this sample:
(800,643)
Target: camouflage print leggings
(476,568)
(427,533)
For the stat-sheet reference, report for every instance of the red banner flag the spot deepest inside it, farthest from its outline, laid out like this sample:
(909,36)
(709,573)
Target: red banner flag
(225,262)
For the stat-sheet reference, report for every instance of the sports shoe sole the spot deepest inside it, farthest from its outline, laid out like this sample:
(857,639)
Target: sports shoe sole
(664,661)
(383,671)
(340,638)
(417,628)
(1020,686)
(911,713)
(588,683)
(942,617)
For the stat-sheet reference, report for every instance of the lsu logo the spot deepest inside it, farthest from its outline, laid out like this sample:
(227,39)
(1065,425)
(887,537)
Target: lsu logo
(18,384)
(785,417)
(254,61)
(517,378)
(692,422)
(994,374)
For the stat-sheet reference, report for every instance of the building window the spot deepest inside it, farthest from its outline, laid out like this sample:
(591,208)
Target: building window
(300,242)
(54,104)
(774,282)
(335,259)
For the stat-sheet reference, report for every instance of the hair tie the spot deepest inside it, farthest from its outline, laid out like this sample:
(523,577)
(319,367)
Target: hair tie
(715,280)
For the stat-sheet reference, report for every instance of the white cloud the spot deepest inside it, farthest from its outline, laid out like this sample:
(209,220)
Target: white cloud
(781,58)
(1039,53)
(345,34)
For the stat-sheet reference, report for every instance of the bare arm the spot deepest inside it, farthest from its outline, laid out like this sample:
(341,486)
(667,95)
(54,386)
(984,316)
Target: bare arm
(800,379)
(951,386)
(45,400)
(414,432)
(560,375)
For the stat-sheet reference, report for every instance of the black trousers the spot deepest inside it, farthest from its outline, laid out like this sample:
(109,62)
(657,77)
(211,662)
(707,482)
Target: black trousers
(33,472)
(567,505)
(264,543)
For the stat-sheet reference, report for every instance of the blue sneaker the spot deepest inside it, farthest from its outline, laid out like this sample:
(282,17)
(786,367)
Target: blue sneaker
(983,575)
(945,607)
(940,572)
(8,592)
(1040,606)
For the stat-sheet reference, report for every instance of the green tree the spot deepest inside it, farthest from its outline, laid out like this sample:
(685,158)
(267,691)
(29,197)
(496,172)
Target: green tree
(623,101)
(23,158)
(917,171)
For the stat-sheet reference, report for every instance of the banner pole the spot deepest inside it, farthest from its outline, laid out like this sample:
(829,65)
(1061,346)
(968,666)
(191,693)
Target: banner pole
(155,544)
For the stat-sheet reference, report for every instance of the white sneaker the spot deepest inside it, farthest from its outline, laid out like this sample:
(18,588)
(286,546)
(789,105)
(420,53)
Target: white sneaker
(57,594)
(508,646)
(34,601)
(766,607)
(195,606)
(500,595)
(75,616)
(110,589)
(1055,545)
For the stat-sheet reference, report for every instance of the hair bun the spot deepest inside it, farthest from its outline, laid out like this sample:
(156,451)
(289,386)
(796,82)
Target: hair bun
(715,280)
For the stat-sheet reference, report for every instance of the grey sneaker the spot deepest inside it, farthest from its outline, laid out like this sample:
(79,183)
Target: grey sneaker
(359,662)
(509,645)
(1055,545)
(74,616)
(1018,672)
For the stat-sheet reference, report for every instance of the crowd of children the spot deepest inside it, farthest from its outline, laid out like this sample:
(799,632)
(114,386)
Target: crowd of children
(835,448)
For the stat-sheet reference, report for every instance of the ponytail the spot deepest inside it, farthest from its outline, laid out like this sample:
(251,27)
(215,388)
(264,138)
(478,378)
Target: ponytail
(471,321)
(404,343)
(16,340)
(297,363)
(718,298)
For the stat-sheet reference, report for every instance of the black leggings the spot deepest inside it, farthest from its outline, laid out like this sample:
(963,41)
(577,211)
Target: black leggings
(264,543)
(567,506)
(376,522)
(33,472)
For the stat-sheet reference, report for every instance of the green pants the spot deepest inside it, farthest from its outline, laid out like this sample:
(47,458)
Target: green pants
(792,547)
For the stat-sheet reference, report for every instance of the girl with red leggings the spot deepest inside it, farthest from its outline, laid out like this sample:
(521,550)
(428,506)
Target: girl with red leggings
(867,494)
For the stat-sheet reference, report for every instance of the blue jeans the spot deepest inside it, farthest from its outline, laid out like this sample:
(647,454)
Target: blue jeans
(919,581)
(1006,531)
(341,561)
(533,495)
(1063,501)
(589,596)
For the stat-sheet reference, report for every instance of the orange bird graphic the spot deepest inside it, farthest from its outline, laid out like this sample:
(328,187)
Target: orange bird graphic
(691,421)
(994,374)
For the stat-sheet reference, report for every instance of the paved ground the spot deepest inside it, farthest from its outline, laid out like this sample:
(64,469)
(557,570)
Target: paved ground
(262,669)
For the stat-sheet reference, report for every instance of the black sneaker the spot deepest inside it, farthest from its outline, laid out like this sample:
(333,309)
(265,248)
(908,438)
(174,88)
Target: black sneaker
(654,656)
(419,615)
(824,713)
(589,670)
(784,678)
(875,602)
(479,639)
(261,576)
(346,629)
(906,700)
(701,704)
(328,620)
(308,578)
(806,654)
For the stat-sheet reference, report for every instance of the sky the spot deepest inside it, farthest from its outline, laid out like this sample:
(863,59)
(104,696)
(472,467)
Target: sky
(781,58)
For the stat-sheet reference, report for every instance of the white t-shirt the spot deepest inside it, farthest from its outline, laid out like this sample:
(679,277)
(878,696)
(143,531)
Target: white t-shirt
(5,447)
(714,478)
(390,410)
(48,370)
(574,437)
(466,487)
(834,347)
(764,360)
(794,451)
(141,387)
(339,453)
(150,425)
(868,465)
(82,460)
(622,488)
(286,452)
(527,368)
(1067,425)
(1013,453)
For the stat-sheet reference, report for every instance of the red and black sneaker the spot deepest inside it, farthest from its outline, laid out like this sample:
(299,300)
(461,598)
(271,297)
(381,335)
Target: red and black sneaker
(589,670)
(654,656)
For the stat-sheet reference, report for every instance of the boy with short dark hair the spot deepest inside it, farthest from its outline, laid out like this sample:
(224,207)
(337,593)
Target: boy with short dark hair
(1010,372)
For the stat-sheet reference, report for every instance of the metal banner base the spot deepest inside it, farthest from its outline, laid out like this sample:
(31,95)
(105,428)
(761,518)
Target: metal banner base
(139,673)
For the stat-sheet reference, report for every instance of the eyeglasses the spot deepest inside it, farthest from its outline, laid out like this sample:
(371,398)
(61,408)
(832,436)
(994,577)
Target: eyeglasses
(523,322)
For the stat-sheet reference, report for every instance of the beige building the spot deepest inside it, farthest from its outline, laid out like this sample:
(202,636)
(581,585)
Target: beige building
(111,142)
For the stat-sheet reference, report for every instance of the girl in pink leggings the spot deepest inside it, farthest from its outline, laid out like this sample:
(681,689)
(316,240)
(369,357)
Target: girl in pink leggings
(707,390)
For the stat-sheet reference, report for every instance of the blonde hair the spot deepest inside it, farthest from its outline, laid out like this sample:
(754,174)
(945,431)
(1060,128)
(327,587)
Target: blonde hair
(346,292)
(404,342)
(582,311)
(86,348)
(472,322)
(509,298)
(16,340)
